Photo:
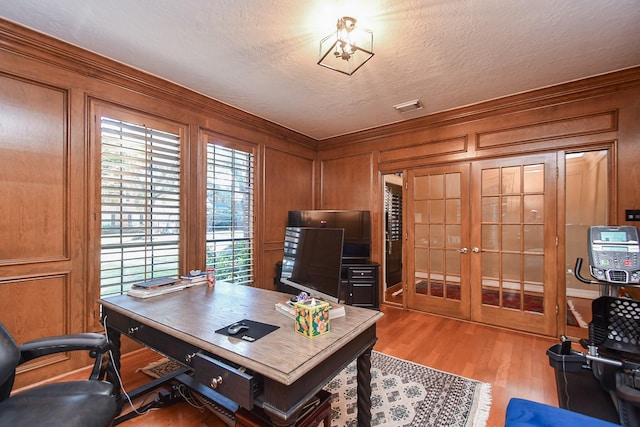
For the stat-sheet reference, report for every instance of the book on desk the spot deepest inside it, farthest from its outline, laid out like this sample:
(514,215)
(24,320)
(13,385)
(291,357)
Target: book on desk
(156,282)
(164,285)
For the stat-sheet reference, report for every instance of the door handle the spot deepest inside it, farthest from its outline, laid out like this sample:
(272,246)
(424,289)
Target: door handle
(475,250)
(463,250)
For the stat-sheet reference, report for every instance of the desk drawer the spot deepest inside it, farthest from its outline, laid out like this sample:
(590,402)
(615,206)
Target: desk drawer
(362,273)
(165,344)
(153,338)
(225,379)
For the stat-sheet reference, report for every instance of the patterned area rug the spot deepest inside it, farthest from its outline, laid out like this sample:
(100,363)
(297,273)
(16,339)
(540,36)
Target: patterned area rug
(407,394)
(574,318)
(402,394)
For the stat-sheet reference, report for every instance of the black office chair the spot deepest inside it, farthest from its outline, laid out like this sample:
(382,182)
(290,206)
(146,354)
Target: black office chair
(71,404)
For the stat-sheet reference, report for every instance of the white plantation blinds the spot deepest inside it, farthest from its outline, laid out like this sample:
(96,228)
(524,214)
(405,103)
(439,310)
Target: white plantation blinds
(140,205)
(229,245)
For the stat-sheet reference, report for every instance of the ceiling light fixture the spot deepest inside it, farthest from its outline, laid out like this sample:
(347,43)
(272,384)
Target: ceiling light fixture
(346,50)
(405,107)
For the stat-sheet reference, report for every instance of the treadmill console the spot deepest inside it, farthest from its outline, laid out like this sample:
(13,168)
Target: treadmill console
(614,254)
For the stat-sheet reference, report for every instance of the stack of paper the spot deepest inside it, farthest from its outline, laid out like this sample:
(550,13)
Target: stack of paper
(199,278)
(154,292)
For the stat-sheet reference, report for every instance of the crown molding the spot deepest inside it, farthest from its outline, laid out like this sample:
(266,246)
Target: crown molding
(51,51)
(551,95)
(46,49)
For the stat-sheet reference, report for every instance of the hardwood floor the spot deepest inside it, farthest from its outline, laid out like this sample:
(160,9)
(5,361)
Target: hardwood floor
(515,364)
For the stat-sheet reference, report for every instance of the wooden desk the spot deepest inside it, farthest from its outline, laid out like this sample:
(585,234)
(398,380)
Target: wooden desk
(279,372)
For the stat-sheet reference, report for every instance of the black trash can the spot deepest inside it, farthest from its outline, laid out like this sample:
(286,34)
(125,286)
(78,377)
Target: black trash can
(578,389)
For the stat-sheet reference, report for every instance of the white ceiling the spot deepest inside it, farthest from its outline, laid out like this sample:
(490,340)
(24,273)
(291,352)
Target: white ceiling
(260,55)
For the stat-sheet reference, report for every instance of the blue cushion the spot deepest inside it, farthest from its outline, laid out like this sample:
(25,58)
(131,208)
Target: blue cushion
(525,413)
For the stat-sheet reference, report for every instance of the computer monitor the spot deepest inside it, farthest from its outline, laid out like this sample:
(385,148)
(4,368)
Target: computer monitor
(356,224)
(312,261)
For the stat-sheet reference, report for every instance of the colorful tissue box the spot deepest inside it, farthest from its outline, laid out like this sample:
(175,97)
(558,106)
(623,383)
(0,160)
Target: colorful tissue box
(312,318)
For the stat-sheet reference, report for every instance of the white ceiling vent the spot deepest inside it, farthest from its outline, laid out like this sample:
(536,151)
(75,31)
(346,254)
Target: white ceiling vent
(405,107)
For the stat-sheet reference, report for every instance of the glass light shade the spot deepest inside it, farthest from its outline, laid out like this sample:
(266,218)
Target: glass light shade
(347,49)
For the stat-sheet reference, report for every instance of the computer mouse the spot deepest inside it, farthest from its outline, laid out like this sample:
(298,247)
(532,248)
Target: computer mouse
(236,328)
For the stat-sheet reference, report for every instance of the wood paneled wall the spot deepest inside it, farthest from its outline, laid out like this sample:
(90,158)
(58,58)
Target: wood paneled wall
(47,89)
(48,93)
(600,112)
(290,187)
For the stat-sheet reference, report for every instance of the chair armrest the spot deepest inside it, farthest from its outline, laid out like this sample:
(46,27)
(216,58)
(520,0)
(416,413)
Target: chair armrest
(96,344)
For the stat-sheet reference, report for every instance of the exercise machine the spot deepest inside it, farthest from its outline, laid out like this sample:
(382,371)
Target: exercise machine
(604,380)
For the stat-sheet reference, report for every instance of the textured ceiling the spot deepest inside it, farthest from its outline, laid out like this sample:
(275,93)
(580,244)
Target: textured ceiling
(260,55)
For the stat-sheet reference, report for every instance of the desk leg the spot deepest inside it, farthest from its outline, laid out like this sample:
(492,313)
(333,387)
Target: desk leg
(112,377)
(364,389)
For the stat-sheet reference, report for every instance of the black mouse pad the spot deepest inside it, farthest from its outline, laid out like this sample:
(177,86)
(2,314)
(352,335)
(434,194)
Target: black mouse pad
(256,330)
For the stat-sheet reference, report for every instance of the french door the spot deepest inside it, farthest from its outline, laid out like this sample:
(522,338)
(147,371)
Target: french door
(513,237)
(438,238)
(483,239)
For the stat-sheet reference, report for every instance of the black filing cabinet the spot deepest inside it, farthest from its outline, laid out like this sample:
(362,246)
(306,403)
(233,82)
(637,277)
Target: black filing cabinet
(360,285)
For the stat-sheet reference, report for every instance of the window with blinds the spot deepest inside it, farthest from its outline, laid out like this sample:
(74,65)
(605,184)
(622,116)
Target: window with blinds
(229,244)
(140,205)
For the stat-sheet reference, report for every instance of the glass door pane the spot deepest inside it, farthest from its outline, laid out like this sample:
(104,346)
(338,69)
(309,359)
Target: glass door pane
(512,197)
(586,204)
(513,239)
(438,235)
